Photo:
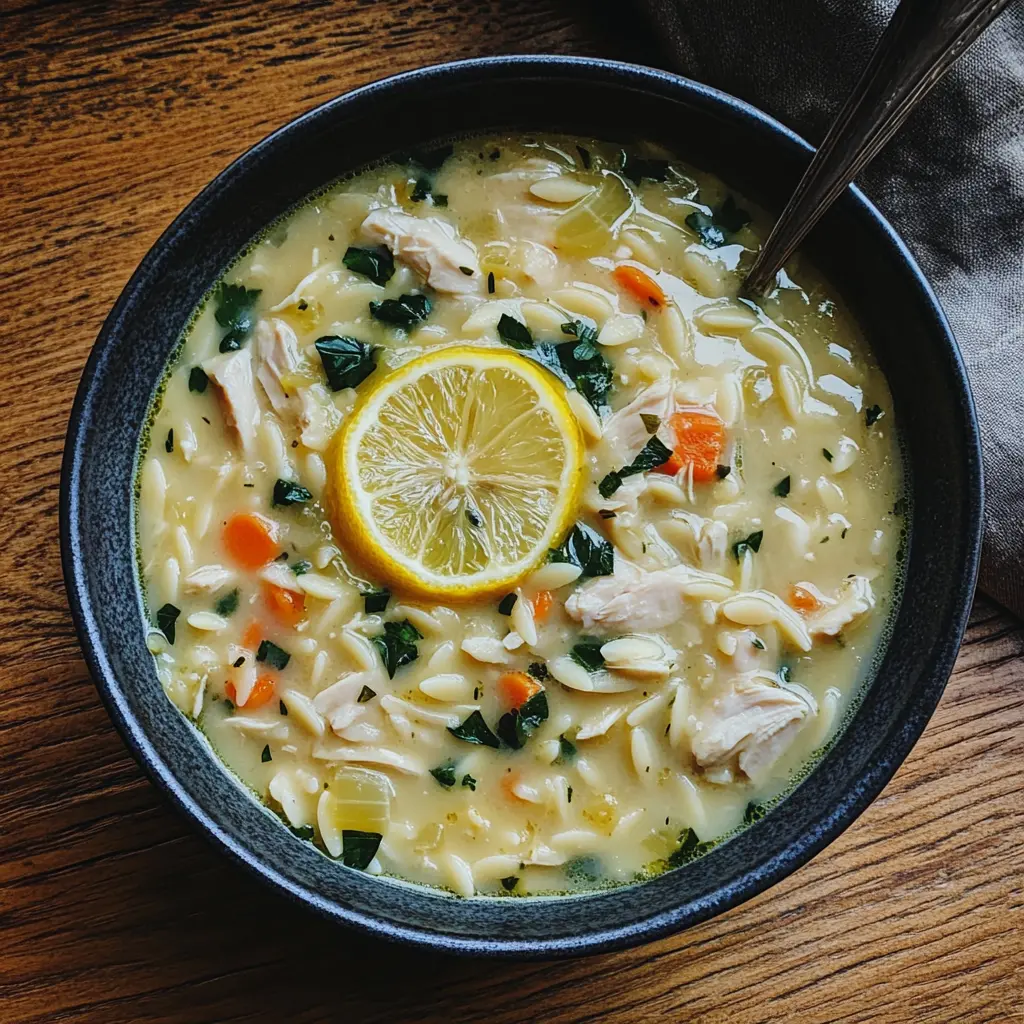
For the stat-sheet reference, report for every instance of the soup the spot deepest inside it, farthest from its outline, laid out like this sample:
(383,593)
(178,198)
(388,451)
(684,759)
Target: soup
(494,541)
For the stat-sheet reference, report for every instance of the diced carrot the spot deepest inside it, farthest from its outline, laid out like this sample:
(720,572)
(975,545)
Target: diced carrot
(700,437)
(286,606)
(262,691)
(252,636)
(542,603)
(516,688)
(804,598)
(250,539)
(641,286)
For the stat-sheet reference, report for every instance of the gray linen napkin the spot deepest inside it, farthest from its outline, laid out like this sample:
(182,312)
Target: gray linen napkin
(951,182)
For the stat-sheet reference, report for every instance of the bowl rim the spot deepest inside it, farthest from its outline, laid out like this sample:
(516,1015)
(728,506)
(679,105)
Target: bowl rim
(672,918)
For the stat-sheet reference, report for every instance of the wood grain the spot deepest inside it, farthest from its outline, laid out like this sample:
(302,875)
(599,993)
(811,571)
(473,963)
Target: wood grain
(112,116)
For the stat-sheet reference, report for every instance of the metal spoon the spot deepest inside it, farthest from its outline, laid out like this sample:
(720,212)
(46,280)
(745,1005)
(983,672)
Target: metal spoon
(921,42)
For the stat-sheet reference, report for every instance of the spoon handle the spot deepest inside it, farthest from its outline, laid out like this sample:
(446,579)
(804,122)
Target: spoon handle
(920,43)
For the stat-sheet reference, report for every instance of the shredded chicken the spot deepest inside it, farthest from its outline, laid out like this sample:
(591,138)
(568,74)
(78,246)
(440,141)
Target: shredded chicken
(634,599)
(709,538)
(626,433)
(232,378)
(748,723)
(852,600)
(429,245)
(309,406)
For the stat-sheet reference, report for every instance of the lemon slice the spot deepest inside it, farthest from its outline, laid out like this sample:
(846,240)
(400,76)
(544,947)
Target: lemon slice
(455,474)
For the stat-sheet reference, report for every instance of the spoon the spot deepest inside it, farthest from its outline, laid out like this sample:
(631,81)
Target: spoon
(918,47)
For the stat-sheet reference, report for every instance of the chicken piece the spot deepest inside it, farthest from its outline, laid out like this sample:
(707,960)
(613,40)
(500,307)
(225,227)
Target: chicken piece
(852,600)
(707,540)
(625,433)
(430,245)
(232,378)
(277,359)
(748,724)
(642,601)
(278,364)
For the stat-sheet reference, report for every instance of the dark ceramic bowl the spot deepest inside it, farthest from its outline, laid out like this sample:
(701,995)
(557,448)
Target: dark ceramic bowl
(855,248)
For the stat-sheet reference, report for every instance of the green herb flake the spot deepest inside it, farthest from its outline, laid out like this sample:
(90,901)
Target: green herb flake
(722,471)
(506,604)
(397,645)
(566,750)
(347,362)
(475,730)
(752,542)
(509,883)
(166,617)
(758,643)
(653,454)
(358,848)
(873,414)
(287,492)
(587,652)
(781,489)
(585,332)
(365,694)
(690,848)
(228,604)
(282,708)
(169,441)
(514,333)
(785,674)
(239,661)
(440,199)
(233,310)
(827,454)
(306,832)
(468,782)
(587,549)
(538,670)
(266,756)
(405,311)
(517,725)
(274,656)
(714,229)
(375,600)
(651,422)
(301,567)
(445,774)
(197,380)
(490,282)
(421,190)
(376,263)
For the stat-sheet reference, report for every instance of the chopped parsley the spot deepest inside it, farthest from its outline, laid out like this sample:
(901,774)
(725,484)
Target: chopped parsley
(490,282)
(365,694)
(566,751)
(166,617)
(651,422)
(233,310)
(873,414)
(287,492)
(445,774)
(282,708)
(405,311)
(752,542)
(715,228)
(266,755)
(690,848)
(538,670)
(397,645)
(302,831)
(475,730)
(239,661)
(827,454)
(421,190)
(274,656)
(506,604)
(358,848)
(722,471)
(509,883)
(514,333)
(346,361)
(517,725)
(468,782)
(228,604)
(587,549)
(301,567)
(781,489)
(169,442)
(197,380)
(376,263)
(375,600)
(653,454)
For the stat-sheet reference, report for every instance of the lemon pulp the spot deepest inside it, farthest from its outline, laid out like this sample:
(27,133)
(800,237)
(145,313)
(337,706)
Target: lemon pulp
(456,473)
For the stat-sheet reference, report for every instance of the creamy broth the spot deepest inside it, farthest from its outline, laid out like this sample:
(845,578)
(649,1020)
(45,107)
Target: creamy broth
(660,706)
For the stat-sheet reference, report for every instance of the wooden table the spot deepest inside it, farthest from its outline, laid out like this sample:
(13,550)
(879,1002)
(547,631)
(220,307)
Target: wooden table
(111,910)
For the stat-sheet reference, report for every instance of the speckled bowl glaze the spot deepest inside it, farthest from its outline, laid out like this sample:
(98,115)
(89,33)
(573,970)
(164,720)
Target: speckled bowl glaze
(853,245)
